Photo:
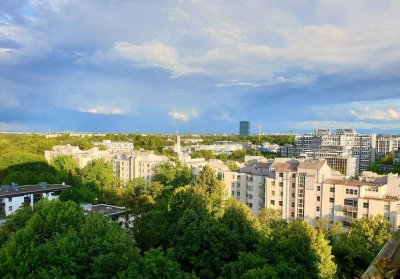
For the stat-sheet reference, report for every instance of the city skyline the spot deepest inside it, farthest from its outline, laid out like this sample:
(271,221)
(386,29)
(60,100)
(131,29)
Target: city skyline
(199,66)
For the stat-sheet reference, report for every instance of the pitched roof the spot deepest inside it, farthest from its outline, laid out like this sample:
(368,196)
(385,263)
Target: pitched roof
(314,164)
(285,166)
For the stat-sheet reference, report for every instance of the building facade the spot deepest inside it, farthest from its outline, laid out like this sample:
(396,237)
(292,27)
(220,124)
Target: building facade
(311,190)
(14,196)
(244,128)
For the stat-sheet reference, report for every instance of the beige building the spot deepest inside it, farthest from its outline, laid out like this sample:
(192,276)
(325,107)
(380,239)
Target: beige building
(127,167)
(311,190)
(83,157)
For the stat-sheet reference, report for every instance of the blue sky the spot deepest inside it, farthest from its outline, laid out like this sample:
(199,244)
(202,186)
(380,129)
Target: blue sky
(200,66)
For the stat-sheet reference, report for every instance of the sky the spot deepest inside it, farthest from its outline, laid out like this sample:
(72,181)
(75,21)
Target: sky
(199,66)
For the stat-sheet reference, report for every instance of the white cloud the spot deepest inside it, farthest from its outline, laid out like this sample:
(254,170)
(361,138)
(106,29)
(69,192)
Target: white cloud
(103,110)
(377,113)
(153,55)
(176,14)
(183,116)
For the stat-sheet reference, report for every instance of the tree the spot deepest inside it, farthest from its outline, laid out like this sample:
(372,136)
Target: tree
(173,176)
(238,155)
(270,217)
(100,174)
(14,222)
(298,251)
(207,182)
(206,154)
(157,264)
(245,229)
(59,241)
(355,249)
(66,164)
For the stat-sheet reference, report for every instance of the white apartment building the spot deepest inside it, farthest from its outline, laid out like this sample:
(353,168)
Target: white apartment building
(218,148)
(310,190)
(127,167)
(338,159)
(365,148)
(14,196)
(83,157)
(116,146)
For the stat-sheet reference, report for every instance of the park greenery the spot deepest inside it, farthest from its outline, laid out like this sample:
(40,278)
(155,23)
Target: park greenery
(184,227)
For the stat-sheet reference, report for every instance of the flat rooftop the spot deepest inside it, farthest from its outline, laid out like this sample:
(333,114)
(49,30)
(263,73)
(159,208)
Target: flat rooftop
(351,182)
(104,209)
(13,191)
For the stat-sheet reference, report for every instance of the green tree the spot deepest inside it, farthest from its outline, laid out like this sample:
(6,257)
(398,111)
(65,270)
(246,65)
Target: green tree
(100,174)
(215,189)
(298,251)
(14,222)
(356,248)
(59,241)
(244,227)
(206,154)
(270,217)
(173,176)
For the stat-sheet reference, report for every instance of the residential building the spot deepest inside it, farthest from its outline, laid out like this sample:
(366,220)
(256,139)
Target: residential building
(396,157)
(14,196)
(115,213)
(310,190)
(244,128)
(116,146)
(142,164)
(83,157)
(226,148)
(362,147)
(338,159)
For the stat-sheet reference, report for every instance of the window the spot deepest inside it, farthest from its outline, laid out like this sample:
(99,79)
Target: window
(273,193)
(250,205)
(281,174)
(281,194)
(292,204)
(294,175)
(292,214)
(355,192)
(318,188)
(272,202)
(293,185)
(238,194)
(331,199)
(293,195)
(318,198)
(249,188)
(366,205)
(249,196)
(280,203)
(10,208)
(9,199)
(332,189)
(280,184)
(233,193)
(317,208)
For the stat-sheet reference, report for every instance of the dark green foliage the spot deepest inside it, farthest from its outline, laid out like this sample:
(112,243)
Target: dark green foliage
(173,176)
(59,241)
(356,248)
